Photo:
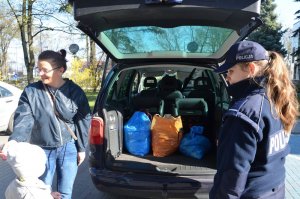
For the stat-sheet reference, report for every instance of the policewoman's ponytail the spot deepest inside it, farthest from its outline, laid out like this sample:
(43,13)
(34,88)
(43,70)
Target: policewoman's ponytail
(281,91)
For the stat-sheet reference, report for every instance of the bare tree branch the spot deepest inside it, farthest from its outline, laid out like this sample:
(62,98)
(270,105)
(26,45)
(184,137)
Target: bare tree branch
(42,31)
(55,29)
(14,13)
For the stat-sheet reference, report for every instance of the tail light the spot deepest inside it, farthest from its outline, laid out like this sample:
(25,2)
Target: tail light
(96,135)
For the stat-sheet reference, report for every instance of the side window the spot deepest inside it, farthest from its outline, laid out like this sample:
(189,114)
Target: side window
(125,83)
(223,99)
(135,84)
(219,86)
(4,92)
(120,88)
(111,93)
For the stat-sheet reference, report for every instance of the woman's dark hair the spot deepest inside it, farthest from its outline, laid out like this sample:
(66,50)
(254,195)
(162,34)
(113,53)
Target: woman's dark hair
(58,59)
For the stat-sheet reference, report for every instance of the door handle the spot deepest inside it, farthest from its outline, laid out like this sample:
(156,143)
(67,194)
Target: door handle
(8,101)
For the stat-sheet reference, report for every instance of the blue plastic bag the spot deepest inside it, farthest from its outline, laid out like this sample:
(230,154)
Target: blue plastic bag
(194,144)
(137,134)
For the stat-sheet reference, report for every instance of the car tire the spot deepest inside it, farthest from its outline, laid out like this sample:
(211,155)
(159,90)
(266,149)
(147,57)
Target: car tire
(10,124)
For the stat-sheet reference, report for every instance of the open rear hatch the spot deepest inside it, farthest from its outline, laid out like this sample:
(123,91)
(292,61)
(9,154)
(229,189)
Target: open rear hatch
(194,30)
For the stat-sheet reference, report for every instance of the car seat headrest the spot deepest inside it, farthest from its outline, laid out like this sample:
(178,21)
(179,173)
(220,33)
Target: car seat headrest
(150,82)
(200,81)
(169,83)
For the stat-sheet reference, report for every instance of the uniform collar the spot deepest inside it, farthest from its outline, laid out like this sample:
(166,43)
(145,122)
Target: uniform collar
(247,87)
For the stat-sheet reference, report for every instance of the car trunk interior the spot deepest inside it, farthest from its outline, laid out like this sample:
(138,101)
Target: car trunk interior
(118,158)
(119,110)
(173,164)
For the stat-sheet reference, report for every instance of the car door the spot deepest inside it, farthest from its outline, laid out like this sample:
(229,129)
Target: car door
(6,107)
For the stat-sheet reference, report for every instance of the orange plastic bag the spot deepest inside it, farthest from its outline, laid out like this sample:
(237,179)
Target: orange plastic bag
(166,135)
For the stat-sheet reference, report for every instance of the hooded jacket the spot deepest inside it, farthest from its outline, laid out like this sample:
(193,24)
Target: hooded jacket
(28,163)
(252,146)
(36,122)
(30,189)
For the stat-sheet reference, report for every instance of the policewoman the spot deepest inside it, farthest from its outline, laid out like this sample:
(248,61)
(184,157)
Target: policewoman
(253,138)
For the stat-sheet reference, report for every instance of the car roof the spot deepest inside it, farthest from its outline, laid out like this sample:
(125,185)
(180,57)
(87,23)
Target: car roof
(151,30)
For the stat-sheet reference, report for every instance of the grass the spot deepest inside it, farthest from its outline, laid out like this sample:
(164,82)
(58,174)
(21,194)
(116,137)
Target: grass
(91,96)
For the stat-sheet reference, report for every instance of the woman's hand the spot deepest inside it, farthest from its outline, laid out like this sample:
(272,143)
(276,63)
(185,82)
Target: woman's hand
(80,157)
(56,195)
(3,151)
(3,154)
(4,147)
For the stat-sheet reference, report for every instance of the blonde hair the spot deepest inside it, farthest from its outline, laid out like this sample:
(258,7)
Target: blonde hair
(280,89)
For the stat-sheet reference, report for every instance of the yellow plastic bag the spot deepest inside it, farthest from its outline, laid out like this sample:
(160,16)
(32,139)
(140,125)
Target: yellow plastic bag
(166,135)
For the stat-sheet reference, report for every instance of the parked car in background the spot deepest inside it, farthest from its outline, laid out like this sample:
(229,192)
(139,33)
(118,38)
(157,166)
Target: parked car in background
(165,53)
(9,98)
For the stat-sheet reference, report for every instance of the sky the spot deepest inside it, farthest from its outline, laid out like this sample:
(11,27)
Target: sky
(286,12)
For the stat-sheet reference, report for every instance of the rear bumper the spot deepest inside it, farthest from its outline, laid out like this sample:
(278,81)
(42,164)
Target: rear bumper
(151,186)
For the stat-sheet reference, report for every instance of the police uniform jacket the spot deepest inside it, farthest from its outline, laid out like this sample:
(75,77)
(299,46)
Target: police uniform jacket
(252,145)
(36,122)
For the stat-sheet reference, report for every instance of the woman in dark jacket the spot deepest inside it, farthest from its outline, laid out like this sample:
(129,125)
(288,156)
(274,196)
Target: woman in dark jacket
(54,114)
(253,139)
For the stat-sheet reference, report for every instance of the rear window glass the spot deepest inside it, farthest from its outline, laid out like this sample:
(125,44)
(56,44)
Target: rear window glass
(205,40)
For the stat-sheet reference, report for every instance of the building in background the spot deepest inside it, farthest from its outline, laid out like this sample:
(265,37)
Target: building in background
(288,43)
(295,60)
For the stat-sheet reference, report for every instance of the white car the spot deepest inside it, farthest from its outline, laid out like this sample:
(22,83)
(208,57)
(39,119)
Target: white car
(9,98)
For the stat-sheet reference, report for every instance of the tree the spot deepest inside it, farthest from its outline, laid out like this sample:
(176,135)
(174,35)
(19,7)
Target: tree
(8,32)
(269,34)
(25,26)
(95,66)
(31,17)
